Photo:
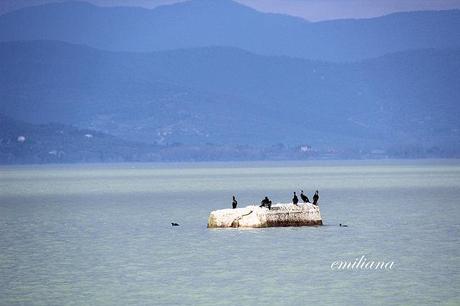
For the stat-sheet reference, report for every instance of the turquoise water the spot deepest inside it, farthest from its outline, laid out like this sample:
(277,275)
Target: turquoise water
(101,235)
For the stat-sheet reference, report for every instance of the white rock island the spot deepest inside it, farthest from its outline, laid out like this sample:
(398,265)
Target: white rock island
(255,216)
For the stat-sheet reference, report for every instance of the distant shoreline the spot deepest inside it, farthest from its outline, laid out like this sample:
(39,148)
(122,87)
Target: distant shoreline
(243,164)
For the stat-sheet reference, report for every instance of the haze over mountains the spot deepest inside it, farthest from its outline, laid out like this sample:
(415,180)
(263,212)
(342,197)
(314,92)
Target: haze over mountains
(200,23)
(193,95)
(230,75)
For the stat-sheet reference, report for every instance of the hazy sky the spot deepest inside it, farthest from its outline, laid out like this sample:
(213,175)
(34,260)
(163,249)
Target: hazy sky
(309,9)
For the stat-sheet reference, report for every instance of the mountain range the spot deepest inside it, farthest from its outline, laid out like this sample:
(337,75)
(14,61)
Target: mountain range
(202,23)
(219,74)
(195,95)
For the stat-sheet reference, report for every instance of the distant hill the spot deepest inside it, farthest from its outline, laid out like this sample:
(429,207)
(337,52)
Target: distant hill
(25,143)
(205,23)
(230,96)
(22,142)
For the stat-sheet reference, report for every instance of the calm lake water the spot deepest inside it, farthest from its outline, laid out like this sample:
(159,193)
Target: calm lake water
(102,235)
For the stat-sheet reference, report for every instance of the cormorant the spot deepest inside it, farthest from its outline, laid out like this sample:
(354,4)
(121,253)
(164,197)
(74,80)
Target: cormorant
(295,199)
(304,197)
(316,198)
(266,203)
(234,202)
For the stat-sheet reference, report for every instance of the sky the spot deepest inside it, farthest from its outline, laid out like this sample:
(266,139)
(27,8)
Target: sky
(313,10)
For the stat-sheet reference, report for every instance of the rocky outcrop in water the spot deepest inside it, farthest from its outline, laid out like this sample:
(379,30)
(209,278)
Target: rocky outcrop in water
(255,216)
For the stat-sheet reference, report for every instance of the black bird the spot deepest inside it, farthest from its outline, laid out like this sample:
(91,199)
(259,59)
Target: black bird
(295,199)
(304,197)
(174,224)
(234,202)
(343,225)
(266,203)
(316,198)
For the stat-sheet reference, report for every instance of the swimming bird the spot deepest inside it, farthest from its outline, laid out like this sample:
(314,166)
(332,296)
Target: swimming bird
(343,225)
(174,224)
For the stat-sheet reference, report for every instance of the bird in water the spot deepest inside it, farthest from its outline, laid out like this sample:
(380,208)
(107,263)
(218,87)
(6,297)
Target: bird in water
(343,225)
(174,224)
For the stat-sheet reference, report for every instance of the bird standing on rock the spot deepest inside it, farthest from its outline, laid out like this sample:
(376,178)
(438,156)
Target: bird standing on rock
(295,199)
(234,202)
(304,197)
(316,198)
